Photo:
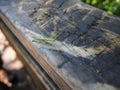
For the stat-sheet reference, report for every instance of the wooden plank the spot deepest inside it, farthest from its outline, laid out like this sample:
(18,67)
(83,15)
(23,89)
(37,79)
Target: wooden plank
(25,57)
(87,43)
(38,57)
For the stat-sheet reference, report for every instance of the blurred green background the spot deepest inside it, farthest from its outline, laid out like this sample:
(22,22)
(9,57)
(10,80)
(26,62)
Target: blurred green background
(111,6)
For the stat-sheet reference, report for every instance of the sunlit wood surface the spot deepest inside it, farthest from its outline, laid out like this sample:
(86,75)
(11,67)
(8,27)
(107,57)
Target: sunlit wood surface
(85,52)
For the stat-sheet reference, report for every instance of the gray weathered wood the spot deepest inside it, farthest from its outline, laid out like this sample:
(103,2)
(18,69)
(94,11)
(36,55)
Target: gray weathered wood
(86,52)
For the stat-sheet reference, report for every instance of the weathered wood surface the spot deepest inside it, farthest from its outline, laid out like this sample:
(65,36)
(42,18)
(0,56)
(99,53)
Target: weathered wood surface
(37,74)
(86,52)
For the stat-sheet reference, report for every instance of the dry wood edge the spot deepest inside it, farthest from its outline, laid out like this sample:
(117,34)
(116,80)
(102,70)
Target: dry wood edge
(40,78)
(52,72)
(29,67)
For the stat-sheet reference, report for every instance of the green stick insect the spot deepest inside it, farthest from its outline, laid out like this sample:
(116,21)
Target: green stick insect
(45,39)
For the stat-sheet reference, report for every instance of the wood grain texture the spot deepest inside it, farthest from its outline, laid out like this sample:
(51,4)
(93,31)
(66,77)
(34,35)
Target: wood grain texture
(85,53)
(47,67)
(24,56)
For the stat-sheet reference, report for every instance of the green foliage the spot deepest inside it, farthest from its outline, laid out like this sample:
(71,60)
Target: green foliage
(111,6)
